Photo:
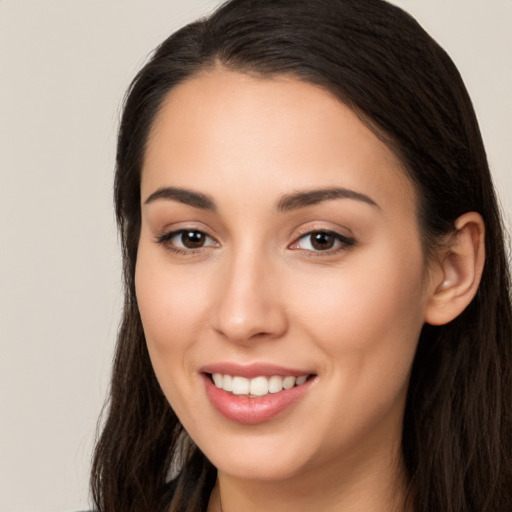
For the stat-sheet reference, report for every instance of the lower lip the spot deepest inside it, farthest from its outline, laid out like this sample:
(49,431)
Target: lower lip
(242,409)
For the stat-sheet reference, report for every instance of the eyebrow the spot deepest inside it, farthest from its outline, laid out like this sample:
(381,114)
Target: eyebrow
(289,202)
(195,199)
(311,197)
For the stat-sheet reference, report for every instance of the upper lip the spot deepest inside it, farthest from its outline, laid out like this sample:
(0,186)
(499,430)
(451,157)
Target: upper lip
(253,370)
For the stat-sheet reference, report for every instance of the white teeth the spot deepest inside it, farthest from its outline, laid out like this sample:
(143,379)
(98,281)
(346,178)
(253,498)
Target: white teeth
(288,382)
(259,386)
(227,383)
(275,384)
(240,386)
(300,380)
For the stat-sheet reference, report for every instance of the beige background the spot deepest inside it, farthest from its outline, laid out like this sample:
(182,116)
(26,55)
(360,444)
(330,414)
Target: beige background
(64,66)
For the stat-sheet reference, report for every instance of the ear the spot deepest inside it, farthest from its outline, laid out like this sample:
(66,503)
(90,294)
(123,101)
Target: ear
(455,279)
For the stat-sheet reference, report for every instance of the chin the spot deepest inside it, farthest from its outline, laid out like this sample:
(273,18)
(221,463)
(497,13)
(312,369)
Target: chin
(258,470)
(259,458)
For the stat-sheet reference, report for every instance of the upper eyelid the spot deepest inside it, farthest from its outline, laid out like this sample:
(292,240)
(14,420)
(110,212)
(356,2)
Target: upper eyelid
(174,232)
(307,230)
(169,230)
(326,231)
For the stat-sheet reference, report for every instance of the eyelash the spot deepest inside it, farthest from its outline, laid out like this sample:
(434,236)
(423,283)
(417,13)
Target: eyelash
(165,240)
(343,242)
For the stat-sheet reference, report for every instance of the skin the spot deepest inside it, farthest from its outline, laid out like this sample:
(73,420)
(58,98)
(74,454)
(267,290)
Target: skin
(258,291)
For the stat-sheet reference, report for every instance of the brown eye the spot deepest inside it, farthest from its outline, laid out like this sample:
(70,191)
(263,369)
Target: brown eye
(322,241)
(193,239)
(186,239)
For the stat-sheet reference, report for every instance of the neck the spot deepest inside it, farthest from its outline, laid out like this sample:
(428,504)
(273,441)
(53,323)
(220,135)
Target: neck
(377,485)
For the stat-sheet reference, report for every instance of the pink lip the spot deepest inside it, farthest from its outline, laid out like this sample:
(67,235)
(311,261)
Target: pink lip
(253,370)
(250,411)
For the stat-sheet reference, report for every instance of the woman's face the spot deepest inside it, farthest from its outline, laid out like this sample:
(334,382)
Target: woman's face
(279,247)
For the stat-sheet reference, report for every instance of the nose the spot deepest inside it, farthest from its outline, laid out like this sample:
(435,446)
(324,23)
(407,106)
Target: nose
(249,303)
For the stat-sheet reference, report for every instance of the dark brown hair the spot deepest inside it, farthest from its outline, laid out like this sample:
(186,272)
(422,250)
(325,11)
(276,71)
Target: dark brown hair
(457,437)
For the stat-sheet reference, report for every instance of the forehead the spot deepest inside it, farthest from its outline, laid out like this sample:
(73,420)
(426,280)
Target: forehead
(266,134)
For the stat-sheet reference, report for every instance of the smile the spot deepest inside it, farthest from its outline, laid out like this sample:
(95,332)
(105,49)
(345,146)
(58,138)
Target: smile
(255,393)
(258,386)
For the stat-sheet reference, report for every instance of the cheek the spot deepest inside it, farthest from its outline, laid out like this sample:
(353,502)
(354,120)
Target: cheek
(365,320)
(171,306)
(168,300)
(169,303)
(370,311)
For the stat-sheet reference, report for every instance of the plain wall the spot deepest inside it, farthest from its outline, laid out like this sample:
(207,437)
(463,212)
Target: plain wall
(64,67)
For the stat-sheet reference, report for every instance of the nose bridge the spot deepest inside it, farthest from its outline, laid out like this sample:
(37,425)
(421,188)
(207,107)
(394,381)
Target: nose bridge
(248,303)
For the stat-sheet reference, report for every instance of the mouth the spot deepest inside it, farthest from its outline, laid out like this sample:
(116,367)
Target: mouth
(255,393)
(259,386)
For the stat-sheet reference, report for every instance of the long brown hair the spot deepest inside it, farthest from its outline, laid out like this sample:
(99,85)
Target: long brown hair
(457,436)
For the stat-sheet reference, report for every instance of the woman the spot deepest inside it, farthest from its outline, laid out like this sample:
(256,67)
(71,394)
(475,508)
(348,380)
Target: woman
(317,311)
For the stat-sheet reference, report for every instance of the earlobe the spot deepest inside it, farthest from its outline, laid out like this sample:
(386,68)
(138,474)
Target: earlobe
(459,271)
